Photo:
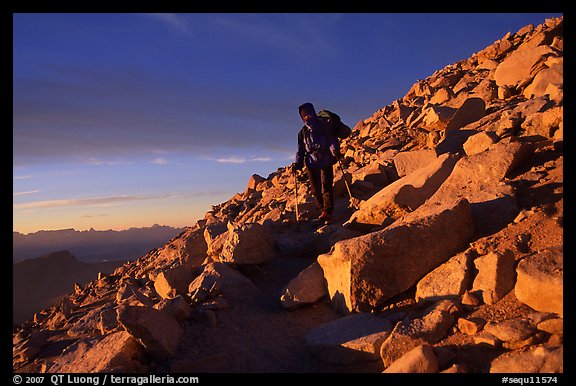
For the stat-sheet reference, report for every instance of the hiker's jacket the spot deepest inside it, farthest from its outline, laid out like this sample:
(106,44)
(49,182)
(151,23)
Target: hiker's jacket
(317,147)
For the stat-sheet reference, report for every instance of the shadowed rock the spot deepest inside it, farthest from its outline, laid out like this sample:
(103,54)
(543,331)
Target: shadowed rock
(350,339)
(156,330)
(411,333)
(219,278)
(306,288)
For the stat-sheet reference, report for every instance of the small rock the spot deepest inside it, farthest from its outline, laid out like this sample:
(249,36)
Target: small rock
(511,329)
(420,359)
(532,340)
(456,368)
(470,300)
(470,326)
(486,338)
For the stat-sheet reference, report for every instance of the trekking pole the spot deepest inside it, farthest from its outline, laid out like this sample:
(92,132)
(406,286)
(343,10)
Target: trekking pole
(353,201)
(296,196)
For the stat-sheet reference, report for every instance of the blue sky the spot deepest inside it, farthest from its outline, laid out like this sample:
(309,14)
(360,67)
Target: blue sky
(131,119)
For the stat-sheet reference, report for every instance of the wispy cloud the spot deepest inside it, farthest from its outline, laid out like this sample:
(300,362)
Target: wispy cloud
(304,33)
(105,201)
(160,161)
(99,162)
(173,20)
(93,215)
(88,201)
(23,177)
(16,194)
(231,160)
(240,160)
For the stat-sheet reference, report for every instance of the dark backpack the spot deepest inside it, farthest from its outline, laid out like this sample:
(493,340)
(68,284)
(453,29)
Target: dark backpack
(337,127)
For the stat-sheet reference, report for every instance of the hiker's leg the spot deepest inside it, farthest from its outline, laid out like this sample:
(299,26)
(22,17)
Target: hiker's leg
(315,179)
(328,189)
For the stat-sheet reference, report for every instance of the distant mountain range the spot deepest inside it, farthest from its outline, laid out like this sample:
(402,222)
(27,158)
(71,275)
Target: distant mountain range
(92,245)
(38,283)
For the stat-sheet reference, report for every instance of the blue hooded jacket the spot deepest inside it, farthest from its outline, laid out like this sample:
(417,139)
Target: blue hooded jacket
(317,147)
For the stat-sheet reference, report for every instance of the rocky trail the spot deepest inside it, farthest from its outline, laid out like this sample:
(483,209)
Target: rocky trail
(452,263)
(261,336)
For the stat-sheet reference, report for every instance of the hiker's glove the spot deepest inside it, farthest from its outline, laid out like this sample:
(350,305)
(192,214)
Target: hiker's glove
(295,167)
(335,152)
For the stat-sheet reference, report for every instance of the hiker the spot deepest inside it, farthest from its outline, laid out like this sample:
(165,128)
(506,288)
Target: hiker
(319,150)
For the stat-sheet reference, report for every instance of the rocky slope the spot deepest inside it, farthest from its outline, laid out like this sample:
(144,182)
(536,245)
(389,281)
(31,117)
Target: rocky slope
(452,263)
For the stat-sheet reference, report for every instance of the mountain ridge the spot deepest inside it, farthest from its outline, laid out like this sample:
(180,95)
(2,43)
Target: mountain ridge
(92,245)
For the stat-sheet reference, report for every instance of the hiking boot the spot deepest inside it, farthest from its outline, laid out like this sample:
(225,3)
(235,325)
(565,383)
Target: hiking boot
(325,217)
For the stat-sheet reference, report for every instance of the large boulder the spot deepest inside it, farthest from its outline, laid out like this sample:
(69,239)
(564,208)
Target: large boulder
(470,111)
(554,74)
(247,244)
(539,282)
(407,162)
(189,248)
(516,69)
(174,281)
(364,272)
(480,179)
(403,195)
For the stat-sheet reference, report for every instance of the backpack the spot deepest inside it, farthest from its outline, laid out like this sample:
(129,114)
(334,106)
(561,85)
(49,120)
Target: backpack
(337,127)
